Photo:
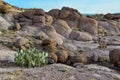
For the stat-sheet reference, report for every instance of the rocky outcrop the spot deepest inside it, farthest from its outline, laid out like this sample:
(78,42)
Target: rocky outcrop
(88,25)
(109,26)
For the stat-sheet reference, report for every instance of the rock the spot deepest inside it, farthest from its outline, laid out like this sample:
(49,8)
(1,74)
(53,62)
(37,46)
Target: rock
(62,56)
(21,42)
(39,19)
(114,56)
(7,55)
(62,27)
(69,13)
(78,65)
(17,26)
(52,58)
(110,27)
(80,36)
(51,32)
(23,19)
(88,25)
(48,19)
(70,46)
(29,30)
(39,12)
(72,24)
(48,42)
(49,49)
(108,16)
(4,24)
(54,13)
(41,35)
(28,14)
(97,55)
(78,58)
(3,9)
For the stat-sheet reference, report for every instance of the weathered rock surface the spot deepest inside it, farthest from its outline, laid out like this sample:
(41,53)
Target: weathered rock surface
(80,36)
(62,27)
(115,57)
(4,24)
(88,25)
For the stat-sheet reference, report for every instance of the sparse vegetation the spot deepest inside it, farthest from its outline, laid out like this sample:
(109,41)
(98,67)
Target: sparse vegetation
(31,58)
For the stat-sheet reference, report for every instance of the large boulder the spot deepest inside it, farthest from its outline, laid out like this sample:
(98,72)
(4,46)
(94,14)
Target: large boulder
(80,36)
(88,25)
(114,56)
(69,13)
(4,24)
(54,13)
(51,32)
(62,27)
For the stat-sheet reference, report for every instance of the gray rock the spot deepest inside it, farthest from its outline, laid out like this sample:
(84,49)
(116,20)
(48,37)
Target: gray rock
(4,24)
(7,55)
(80,36)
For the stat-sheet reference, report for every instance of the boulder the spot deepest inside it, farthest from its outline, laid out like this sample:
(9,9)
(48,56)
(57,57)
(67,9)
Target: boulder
(48,19)
(51,32)
(62,56)
(7,55)
(88,25)
(62,27)
(4,24)
(39,12)
(69,13)
(38,19)
(78,58)
(54,13)
(21,42)
(41,35)
(80,36)
(114,56)
(28,14)
(48,42)
(52,58)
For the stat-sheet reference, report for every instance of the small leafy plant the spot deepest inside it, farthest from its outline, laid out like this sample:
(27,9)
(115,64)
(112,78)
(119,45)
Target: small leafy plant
(31,58)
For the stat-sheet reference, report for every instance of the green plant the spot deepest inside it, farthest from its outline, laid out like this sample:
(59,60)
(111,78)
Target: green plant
(31,58)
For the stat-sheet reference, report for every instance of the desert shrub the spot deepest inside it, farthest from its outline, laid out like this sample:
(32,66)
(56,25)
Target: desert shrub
(31,58)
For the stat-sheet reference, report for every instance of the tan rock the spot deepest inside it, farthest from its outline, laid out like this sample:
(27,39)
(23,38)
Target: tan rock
(21,42)
(62,27)
(48,42)
(88,25)
(62,56)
